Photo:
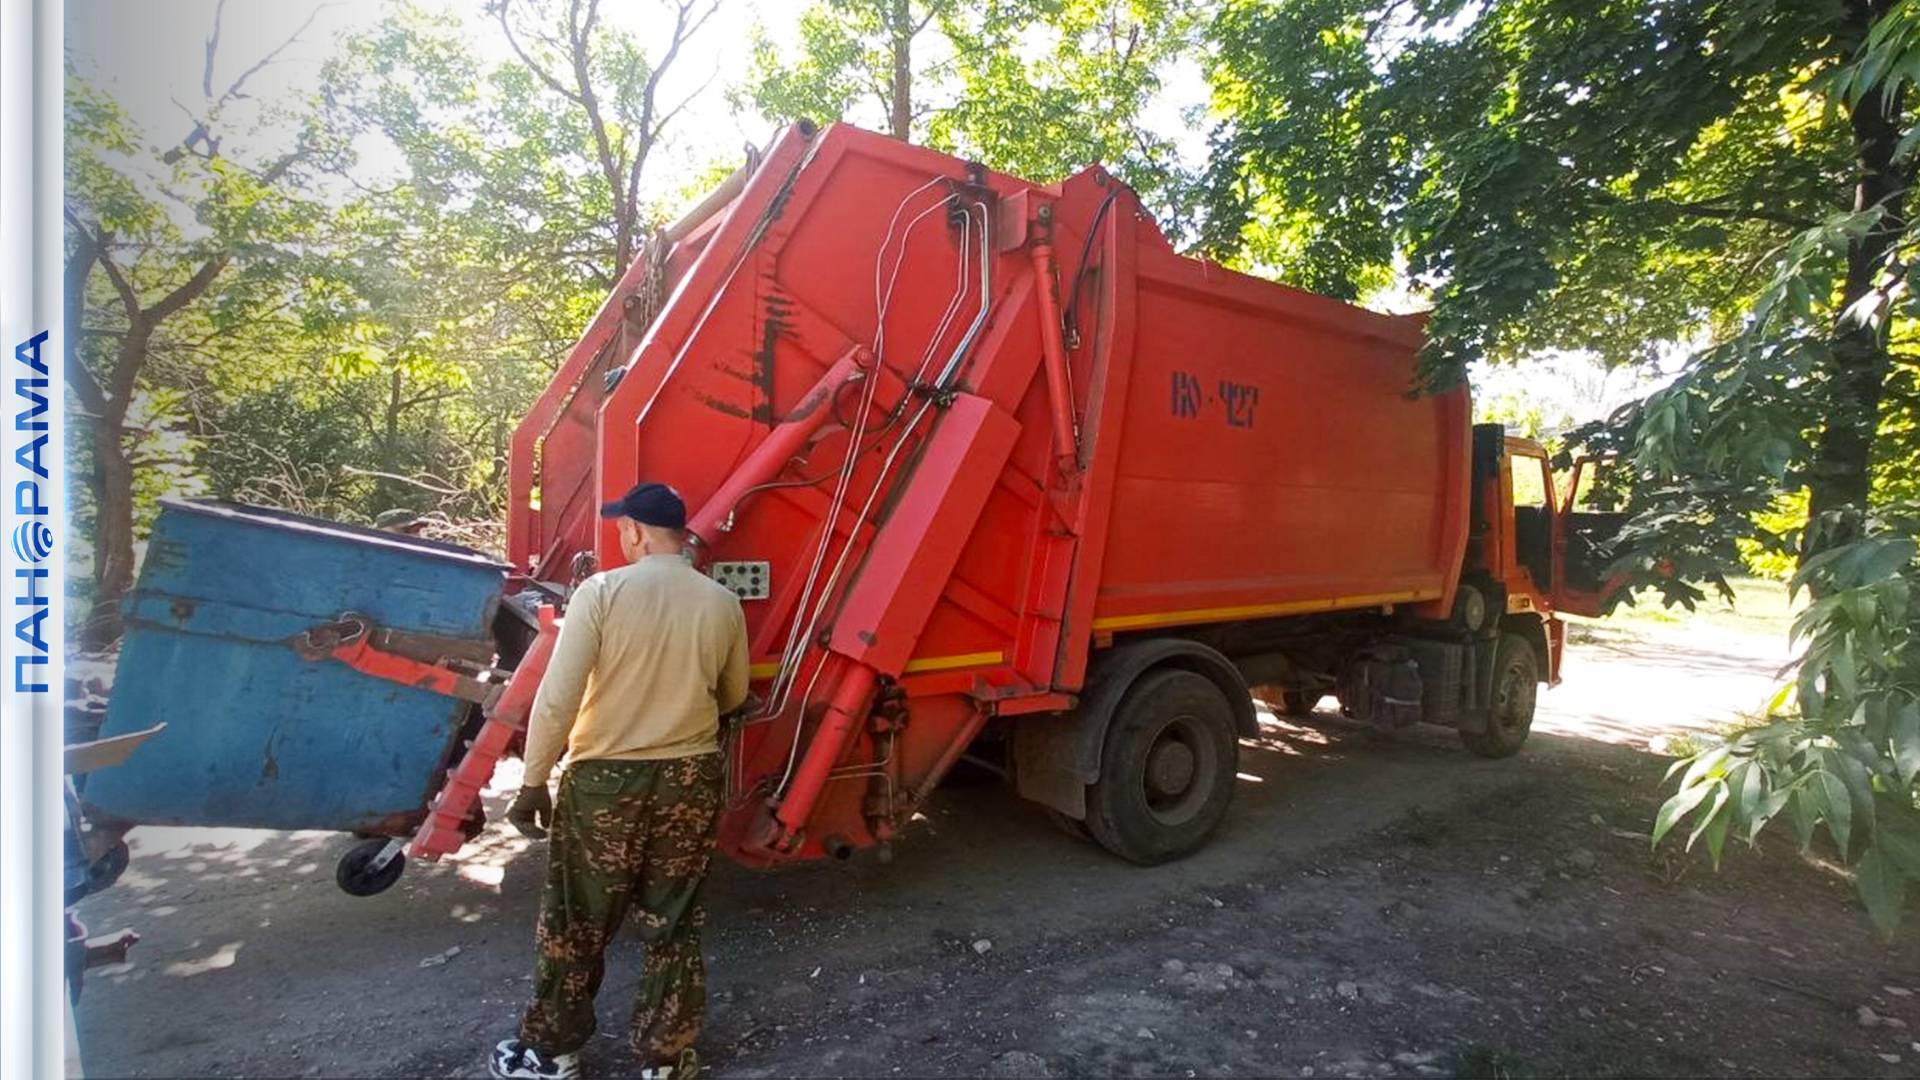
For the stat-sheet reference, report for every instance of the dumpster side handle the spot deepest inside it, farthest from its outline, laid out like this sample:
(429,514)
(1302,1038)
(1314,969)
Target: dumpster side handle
(355,642)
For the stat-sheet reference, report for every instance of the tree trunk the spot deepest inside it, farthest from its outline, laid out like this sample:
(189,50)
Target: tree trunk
(1840,480)
(112,483)
(388,489)
(900,124)
(113,490)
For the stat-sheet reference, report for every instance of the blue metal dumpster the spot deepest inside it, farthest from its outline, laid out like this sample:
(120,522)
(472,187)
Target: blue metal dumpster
(259,733)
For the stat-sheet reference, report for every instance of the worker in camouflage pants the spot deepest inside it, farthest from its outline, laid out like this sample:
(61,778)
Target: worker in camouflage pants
(627,836)
(649,656)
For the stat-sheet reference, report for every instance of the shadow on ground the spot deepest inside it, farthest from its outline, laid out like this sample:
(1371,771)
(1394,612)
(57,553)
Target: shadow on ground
(1376,903)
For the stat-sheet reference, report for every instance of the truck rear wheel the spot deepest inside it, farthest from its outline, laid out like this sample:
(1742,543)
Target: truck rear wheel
(1167,769)
(1516,686)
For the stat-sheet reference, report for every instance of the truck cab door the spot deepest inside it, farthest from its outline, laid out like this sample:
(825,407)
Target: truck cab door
(1532,563)
(1589,521)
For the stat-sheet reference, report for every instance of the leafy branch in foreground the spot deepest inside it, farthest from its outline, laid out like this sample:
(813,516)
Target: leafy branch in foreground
(1798,398)
(1846,757)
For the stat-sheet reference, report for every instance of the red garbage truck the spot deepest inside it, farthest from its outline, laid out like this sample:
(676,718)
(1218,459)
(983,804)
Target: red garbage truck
(989,463)
(991,467)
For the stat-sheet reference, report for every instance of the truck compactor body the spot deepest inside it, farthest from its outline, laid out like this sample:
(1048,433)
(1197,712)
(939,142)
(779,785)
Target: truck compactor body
(991,465)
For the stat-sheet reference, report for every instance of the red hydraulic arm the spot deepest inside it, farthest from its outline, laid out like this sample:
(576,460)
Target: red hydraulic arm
(1066,434)
(353,641)
(445,829)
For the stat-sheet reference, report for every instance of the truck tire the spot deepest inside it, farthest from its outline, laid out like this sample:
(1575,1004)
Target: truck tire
(1166,770)
(1299,702)
(1516,685)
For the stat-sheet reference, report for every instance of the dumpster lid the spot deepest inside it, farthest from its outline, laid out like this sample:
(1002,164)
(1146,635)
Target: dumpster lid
(292,522)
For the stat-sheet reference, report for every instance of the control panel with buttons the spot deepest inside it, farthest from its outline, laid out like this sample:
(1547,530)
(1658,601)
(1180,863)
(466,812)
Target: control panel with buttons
(748,580)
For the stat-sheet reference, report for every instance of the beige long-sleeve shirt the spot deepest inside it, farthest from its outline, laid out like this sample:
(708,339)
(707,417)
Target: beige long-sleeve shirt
(649,656)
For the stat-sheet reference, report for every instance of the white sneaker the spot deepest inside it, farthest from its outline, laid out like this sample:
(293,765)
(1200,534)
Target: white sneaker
(515,1060)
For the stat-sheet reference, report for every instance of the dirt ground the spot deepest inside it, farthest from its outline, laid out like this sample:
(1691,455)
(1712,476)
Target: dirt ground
(1374,905)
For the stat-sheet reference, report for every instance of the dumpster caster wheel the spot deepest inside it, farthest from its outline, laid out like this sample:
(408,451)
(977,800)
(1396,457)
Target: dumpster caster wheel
(107,869)
(361,871)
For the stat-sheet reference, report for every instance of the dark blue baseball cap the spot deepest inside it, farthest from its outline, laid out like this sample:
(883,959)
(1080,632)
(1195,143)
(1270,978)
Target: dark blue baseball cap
(649,504)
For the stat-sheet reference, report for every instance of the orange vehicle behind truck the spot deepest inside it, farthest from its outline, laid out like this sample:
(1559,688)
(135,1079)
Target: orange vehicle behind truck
(992,466)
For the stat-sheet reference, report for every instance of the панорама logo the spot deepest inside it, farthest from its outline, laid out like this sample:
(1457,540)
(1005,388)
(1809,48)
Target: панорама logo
(32,537)
(33,541)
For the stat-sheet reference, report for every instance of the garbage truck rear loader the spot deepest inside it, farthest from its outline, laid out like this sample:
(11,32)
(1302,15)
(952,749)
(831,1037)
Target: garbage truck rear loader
(990,466)
(987,456)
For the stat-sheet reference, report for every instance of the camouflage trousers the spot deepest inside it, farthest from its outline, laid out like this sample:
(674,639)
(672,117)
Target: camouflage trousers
(627,837)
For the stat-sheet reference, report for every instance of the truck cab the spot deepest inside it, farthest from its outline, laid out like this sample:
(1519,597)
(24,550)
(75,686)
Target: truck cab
(1536,549)
(1544,542)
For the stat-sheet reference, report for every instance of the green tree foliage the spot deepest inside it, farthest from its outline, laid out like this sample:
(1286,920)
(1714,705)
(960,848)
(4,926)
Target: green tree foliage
(1034,87)
(1724,176)
(269,317)
(851,52)
(1614,179)
(452,293)
(1841,750)
(612,89)
(1556,173)
(176,248)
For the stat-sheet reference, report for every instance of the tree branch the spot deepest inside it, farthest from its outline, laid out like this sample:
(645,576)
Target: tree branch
(649,96)
(667,118)
(500,9)
(1706,209)
(233,89)
(202,131)
(213,46)
(187,291)
(416,482)
(100,242)
(580,47)
(79,269)
(425,398)
(286,161)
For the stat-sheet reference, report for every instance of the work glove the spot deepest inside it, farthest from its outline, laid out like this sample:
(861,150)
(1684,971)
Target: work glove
(532,811)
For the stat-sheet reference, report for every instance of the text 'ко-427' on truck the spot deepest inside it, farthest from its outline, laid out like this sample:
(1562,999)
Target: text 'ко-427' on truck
(991,467)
